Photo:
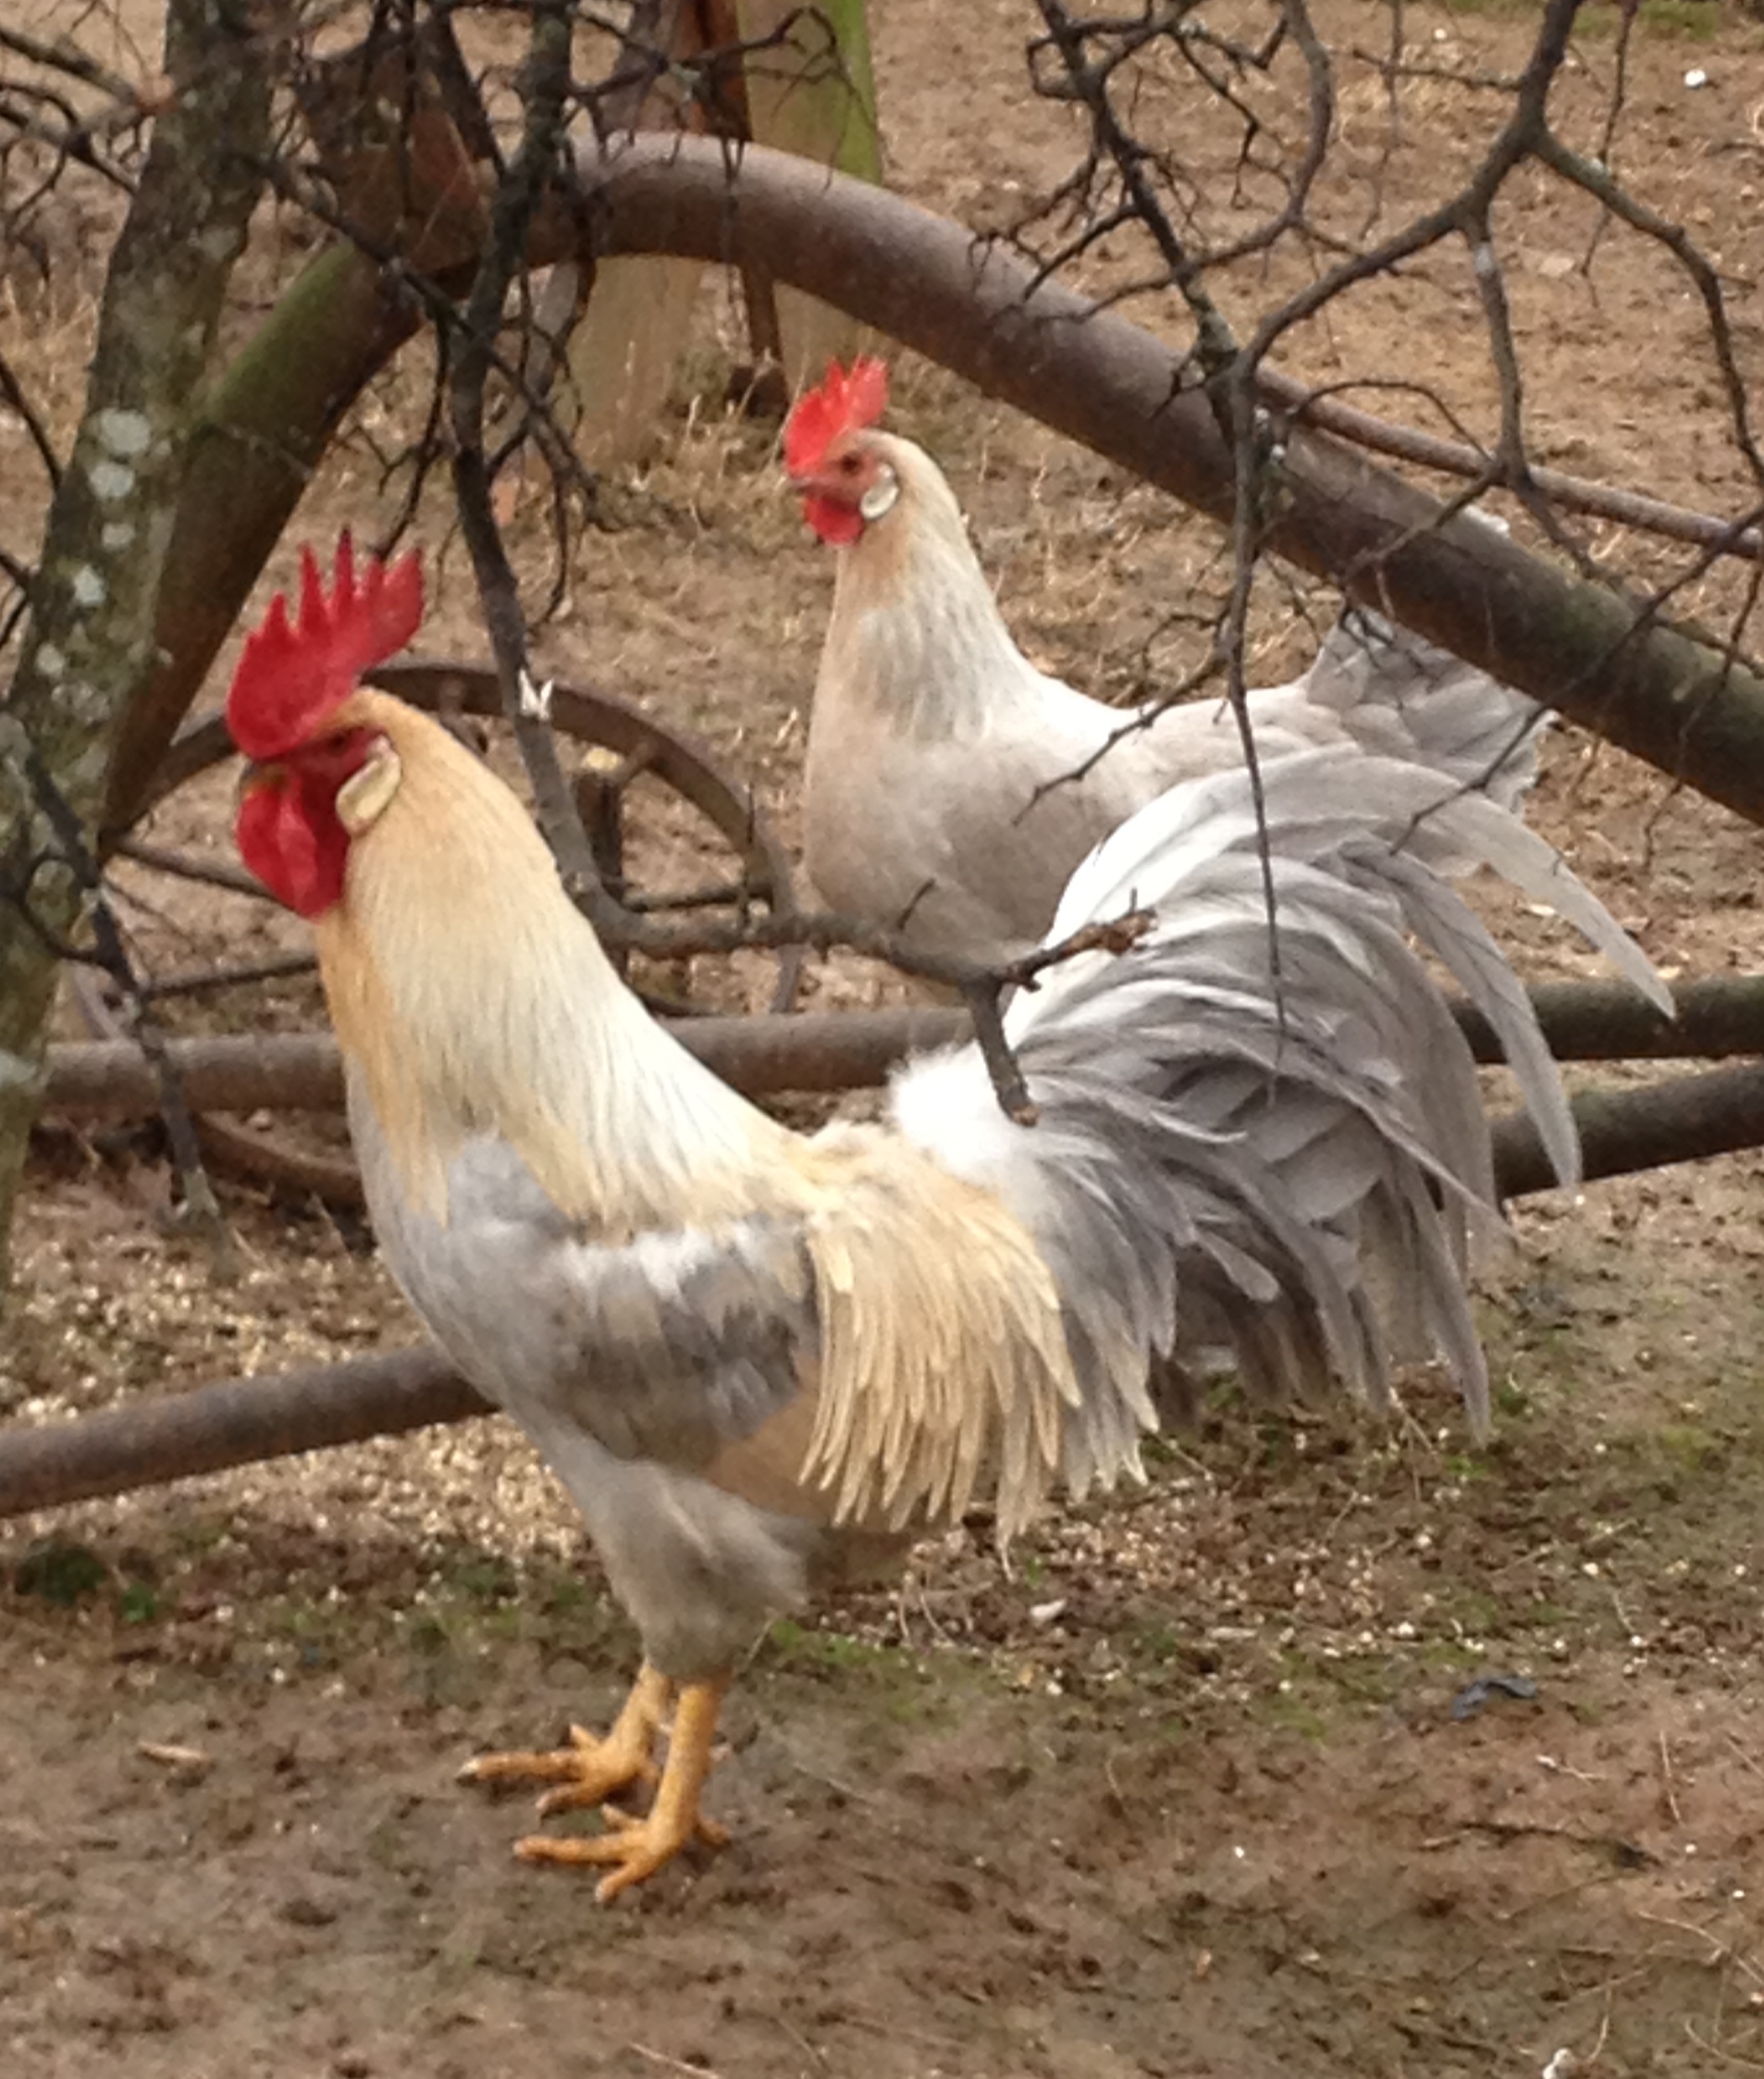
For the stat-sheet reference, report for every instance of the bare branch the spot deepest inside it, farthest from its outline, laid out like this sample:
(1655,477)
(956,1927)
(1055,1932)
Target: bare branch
(216,873)
(1320,406)
(65,57)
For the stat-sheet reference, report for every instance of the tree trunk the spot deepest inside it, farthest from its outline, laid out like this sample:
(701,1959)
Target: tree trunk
(91,647)
(251,447)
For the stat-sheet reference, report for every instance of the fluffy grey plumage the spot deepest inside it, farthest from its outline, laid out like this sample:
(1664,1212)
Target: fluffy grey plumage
(1288,1164)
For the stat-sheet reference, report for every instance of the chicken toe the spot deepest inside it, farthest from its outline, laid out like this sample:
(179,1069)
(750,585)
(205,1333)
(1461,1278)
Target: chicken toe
(636,1847)
(592,1767)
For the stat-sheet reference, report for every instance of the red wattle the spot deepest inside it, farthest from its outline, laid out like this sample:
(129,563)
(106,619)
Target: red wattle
(287,829)
(832,521)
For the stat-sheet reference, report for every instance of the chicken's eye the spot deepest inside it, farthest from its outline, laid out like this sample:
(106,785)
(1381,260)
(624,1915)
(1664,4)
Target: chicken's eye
(849,465)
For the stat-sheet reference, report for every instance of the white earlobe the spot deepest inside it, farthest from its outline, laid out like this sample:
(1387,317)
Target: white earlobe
(881,496)
(363,798)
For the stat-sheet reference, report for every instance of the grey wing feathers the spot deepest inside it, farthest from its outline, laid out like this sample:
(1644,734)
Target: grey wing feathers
(1287,1163)
(669,1347)
(678,1344)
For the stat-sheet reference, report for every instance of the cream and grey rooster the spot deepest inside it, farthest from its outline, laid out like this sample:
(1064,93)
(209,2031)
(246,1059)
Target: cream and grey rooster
(758,1359)
(952,787)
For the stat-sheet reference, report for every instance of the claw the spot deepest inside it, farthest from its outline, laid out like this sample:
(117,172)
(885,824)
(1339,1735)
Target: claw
(551,1766)
(595,1786)
(636,1847)
(590,1768)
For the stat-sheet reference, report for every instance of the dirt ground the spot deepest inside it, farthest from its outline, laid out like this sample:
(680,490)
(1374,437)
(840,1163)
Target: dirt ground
(1213,1785)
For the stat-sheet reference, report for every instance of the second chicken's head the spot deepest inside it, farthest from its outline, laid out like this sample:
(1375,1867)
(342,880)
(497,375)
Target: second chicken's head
(836,461)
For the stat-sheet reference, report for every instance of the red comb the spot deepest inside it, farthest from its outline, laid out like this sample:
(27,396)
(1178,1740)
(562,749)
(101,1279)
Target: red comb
(842,403)
(291,676)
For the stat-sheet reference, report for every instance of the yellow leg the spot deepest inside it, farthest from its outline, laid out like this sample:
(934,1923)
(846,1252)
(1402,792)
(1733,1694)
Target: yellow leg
(637,1848)
(590,1769)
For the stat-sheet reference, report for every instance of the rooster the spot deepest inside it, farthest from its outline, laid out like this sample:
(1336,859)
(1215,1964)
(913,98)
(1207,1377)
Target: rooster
(759,1359)
(952,787)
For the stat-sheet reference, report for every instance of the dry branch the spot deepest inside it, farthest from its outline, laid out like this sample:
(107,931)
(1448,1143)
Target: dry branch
(240,1421)
(1718,1016)
(546,87)
(1458,458)
(761,1055)
(1623,1131)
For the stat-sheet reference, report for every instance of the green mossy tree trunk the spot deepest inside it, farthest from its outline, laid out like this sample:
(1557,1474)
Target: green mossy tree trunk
(91,646)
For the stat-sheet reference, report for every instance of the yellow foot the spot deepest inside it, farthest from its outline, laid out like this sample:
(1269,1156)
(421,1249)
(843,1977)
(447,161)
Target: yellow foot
(590,1769)
(637,1848)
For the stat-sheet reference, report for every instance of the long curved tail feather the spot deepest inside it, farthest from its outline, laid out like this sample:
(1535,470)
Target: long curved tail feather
(1266,1138)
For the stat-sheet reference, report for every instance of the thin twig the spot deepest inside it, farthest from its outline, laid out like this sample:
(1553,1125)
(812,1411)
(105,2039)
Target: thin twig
(1316,406)
(517,197)
(1720,1952)
(214,872)
(66,56)
(671,2064)
(274,969)
(1669,1794)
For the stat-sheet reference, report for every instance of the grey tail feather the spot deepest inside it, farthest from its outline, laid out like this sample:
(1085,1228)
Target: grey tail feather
(1403,697)
(1288,1161)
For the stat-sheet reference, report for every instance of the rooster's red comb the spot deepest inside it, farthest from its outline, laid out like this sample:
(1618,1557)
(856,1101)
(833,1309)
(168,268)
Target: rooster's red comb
(290,675)
(841,404)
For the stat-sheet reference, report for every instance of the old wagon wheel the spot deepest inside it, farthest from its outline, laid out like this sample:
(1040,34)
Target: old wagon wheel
(638,745)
